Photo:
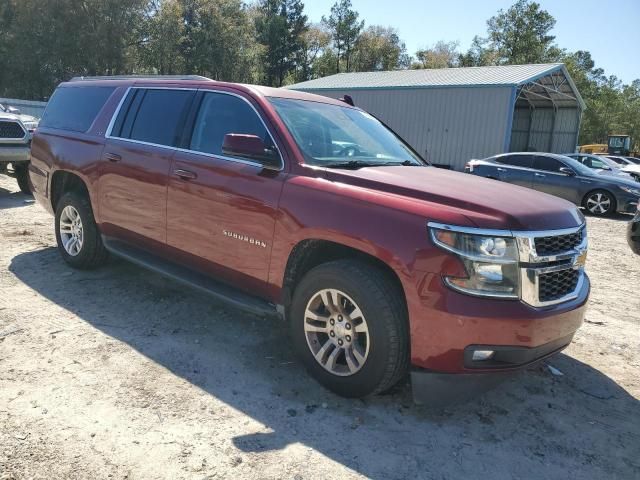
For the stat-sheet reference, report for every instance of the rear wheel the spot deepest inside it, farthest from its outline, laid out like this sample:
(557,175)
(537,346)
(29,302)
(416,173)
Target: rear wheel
(79,240)
(22,176)
(600,203)
(349,326)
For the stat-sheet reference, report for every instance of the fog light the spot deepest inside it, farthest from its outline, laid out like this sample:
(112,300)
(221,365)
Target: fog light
(482,355)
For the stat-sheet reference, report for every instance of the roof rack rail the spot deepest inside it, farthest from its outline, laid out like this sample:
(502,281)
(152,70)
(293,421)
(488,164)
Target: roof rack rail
(141,77)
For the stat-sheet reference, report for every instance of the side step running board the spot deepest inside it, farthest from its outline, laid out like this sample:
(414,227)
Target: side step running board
(199,281)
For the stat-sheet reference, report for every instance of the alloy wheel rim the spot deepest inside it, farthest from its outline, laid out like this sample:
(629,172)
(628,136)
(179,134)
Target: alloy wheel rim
(337,332)
(598,203)
(71,231)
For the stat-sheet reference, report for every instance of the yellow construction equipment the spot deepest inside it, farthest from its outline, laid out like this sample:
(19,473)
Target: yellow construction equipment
(616,145)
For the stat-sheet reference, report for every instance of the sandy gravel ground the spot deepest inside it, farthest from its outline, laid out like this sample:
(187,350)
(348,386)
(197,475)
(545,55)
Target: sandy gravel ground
(121,374)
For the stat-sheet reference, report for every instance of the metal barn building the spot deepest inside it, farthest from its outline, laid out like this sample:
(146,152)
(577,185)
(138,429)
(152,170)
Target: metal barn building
(452,115)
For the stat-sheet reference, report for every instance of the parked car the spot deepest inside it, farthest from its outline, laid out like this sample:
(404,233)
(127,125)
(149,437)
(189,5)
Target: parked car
(633,232)
(626,165)
(634,160)
(601,164)
(561,176)
(302,207)
(15,138)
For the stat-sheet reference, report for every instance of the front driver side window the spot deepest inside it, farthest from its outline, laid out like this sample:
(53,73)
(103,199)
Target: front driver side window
(220,114)
(547,164)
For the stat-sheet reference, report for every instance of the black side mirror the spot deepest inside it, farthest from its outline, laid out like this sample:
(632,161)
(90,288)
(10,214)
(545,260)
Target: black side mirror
(567,171)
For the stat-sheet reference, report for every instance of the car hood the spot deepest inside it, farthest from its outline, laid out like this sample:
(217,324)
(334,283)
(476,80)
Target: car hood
(631,168)
(615,180)
(485,203)
(21,117)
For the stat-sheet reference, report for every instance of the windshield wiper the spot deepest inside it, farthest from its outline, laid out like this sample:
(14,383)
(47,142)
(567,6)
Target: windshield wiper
(355,164)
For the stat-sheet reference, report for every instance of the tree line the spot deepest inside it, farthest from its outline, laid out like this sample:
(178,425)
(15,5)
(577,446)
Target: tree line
(273,42)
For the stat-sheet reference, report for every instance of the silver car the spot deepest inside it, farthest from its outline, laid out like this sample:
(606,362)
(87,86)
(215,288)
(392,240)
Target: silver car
(600,164)
(563,177)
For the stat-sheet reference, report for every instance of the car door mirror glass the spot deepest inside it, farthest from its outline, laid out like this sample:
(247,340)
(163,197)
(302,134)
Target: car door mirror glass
(251,147)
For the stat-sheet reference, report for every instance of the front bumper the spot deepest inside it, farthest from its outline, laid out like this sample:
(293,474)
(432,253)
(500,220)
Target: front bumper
(446,326)
(627,203)
(435,389)
(633,233)
(13,153)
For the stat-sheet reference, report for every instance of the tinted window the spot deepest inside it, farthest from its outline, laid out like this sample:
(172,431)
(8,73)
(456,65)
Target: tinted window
(75,108)
(158,117)
(220,114)
(547,163)
(516,160)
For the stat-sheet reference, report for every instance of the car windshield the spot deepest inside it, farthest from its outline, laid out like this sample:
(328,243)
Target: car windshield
(335,136)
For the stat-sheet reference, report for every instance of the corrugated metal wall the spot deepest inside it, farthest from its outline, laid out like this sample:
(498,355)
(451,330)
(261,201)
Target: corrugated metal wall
(452,125)
(537,130)
(28,107)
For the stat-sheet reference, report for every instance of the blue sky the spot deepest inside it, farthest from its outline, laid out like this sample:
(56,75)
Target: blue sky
(609,29)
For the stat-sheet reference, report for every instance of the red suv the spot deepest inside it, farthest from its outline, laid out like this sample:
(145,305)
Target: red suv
(299,206)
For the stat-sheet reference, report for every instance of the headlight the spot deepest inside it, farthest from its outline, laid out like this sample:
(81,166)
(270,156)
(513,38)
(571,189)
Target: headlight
(31,126)
(633,191)
(491,262)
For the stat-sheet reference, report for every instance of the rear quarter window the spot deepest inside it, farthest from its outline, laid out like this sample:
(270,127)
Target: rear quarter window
(153,115)
(75,108)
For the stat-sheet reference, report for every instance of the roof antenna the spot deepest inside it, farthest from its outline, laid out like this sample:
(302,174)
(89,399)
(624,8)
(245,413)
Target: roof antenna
(347,99)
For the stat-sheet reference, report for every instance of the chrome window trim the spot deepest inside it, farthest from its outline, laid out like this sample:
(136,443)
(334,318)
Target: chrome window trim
(528,259)
(185,150)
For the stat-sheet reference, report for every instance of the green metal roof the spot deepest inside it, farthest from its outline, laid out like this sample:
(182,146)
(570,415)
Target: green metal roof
(442,77)
(504,75)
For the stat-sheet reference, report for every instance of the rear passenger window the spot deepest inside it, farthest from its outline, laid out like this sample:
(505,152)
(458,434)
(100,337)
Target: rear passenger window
(547,164)
(516,160)
(220,114)
(75,108)
(156,116)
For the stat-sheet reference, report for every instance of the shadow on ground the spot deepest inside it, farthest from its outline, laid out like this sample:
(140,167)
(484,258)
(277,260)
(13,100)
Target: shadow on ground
(9,199)
(579,425)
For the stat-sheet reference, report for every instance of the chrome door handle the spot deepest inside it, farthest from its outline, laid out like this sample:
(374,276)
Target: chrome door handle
(112,157)
(185,174)
(540,175)
(502,169)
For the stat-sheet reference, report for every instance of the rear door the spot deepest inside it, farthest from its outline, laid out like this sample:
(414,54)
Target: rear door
(136,161)
(222,209)
(516,169)
(548,178)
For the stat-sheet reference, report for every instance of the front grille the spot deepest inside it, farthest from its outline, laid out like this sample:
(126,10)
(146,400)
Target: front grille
(556,285)
(546,246)
(9,129)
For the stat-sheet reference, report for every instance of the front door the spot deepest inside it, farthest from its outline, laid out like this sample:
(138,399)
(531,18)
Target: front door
(548,178)
(136,161)
(222,209)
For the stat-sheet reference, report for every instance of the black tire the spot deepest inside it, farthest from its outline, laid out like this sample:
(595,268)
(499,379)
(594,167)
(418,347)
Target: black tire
(92,253)
(598,212)
(22,176)
(382,304)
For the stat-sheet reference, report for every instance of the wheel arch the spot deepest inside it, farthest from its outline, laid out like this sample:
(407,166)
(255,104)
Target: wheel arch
(312,252)
(63,181)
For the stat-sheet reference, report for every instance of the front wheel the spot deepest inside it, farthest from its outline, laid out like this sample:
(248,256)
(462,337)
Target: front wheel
(22,176)
(600,203)
(77,234)
(349,326)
